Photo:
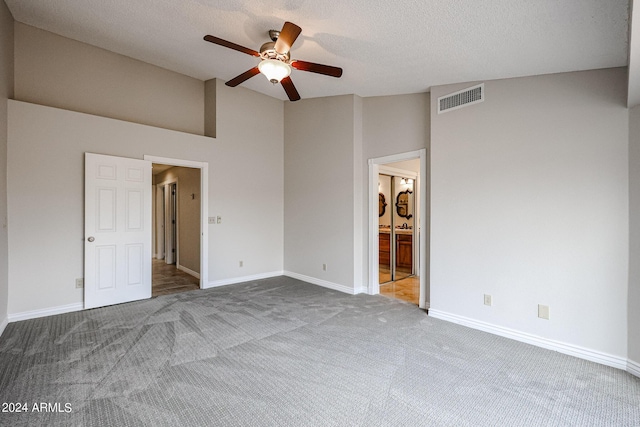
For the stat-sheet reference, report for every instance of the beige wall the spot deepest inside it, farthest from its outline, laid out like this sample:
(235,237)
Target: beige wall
(6,92)
(328,142)
(319,191)
(634,236)
(59,72)
(394,125)
(188,180)
(529,203)
(47,145)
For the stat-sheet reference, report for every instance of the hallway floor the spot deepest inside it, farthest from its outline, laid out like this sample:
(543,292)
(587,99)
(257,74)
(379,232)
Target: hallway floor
(167,279)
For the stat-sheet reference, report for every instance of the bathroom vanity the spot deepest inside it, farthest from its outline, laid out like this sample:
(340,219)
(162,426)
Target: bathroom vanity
(404,248)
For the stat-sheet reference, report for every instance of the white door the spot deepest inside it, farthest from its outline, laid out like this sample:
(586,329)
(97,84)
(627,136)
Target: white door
(117,245)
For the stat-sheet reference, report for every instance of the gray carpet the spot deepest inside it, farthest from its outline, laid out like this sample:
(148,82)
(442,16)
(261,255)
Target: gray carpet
(285,353)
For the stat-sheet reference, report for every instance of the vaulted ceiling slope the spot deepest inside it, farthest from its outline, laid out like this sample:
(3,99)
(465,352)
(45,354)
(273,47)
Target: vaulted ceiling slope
(385,47)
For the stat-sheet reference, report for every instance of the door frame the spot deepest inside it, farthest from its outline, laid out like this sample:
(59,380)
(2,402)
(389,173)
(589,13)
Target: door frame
(422,197)
(204,208)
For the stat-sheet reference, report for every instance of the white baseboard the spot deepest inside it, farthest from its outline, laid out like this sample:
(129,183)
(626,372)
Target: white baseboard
(188,271)
(633,368)
(26,315)
(3,325)
(561,347)
(320,282)
(242,279)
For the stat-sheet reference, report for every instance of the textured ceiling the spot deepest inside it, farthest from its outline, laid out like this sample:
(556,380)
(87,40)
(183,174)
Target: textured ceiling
(385,47)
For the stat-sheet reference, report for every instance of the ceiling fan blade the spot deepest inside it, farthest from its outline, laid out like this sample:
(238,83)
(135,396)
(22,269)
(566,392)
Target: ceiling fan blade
(288,35)
(288,86)
(327,70)
(230,45)
(243,77)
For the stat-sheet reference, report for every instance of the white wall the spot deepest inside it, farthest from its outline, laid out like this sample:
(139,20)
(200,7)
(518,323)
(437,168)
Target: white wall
(634,236)
(529,203)
(45,190)
(319,189)
(59,72)
(6,92)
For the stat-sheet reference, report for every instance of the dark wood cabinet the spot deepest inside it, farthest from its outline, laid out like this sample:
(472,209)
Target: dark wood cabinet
(404,252)
(384,259)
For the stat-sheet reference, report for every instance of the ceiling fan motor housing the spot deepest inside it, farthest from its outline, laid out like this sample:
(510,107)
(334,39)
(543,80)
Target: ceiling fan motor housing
(268,51)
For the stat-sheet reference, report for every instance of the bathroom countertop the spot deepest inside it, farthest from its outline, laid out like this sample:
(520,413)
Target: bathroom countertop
(387,230)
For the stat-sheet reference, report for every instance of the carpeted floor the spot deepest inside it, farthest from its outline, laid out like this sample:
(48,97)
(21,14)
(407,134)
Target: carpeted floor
(280,352)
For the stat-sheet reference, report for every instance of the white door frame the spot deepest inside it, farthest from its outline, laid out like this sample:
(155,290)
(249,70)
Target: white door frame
(204,208)
(374,170)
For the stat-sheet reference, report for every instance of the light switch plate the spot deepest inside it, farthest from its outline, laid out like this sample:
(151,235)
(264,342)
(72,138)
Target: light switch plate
(487,299)
(543,311)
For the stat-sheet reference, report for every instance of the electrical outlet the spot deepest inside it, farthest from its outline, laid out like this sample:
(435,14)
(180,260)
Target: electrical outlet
(543,311)
(487,299)
(219,220)
(212,220)
(80,283)
(241,263)
(324,267)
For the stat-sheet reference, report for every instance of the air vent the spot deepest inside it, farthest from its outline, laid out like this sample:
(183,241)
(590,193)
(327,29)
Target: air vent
(460,99)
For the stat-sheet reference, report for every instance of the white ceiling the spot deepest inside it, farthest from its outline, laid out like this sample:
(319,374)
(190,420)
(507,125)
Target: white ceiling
(385,47)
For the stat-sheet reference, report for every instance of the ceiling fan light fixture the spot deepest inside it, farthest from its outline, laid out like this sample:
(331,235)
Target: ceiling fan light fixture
(274,70)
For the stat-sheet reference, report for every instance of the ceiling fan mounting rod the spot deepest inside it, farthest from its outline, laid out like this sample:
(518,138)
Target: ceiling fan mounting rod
(274,34)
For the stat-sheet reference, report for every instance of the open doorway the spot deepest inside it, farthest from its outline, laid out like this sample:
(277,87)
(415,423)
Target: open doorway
(398,231)
(398,228)
(177,208)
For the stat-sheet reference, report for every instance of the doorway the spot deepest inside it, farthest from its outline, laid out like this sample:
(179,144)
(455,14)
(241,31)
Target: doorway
(119,239)
(176,229)
(398,233)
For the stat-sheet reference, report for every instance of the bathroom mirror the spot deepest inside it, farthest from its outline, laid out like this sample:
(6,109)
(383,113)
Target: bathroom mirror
(402,204)
(382,204)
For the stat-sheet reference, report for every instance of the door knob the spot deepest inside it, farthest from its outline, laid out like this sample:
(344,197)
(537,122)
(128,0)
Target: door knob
(91,239)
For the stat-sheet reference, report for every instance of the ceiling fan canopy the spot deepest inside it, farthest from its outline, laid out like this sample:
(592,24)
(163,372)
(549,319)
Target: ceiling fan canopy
(276,62)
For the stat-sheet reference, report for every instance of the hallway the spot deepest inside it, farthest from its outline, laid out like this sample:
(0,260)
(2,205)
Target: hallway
(167,279)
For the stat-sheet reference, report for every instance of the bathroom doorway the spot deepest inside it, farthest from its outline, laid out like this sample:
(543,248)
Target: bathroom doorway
(398,227)
(397,231)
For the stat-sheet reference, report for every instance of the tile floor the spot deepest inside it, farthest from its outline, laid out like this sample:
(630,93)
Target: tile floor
(407,289)
(167,279)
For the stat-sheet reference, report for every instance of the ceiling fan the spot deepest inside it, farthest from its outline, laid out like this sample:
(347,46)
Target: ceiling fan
(276,63)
